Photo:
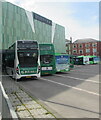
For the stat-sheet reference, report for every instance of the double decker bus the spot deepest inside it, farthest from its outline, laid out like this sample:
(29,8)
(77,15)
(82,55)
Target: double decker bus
(23,59)
(47,59)
(62,62)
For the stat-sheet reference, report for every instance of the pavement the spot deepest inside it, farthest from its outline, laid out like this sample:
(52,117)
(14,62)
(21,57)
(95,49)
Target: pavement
(27,107)
(0,87)
(0,102)
(23,104)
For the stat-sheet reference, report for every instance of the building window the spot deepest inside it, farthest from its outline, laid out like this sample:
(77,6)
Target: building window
(87,45)
(74,51)
(94,50)
(80,46)
(87,50)
(81,51)
(74,46)
(94,44)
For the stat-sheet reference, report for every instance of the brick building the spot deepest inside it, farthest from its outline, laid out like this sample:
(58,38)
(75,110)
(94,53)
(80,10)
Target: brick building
(86,47)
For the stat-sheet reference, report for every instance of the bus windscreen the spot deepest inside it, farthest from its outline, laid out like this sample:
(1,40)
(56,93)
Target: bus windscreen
(28,59)
(44,48)
(46,59)
(62,59)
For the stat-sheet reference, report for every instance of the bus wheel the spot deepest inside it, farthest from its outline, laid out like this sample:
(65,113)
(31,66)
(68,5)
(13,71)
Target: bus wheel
(34,78)
(17,80)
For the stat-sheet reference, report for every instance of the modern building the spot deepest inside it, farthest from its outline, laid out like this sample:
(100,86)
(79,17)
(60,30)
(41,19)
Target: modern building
(86,47)
(17,23)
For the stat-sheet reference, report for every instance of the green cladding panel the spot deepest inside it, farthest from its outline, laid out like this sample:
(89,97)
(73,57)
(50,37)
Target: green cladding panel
(0,25)
(43,28)
(18,24)
(42,32)
(59,39)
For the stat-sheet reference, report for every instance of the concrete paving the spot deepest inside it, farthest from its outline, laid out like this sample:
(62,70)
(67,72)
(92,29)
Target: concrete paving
(0,103)
(24,105)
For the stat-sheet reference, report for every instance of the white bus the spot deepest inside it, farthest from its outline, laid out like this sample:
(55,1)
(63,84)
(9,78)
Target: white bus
(22,59)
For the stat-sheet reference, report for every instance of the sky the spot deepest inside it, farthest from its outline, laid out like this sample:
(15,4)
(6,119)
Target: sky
(80,17)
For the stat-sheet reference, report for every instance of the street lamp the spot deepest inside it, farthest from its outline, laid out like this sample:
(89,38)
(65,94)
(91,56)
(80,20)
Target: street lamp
(71,45)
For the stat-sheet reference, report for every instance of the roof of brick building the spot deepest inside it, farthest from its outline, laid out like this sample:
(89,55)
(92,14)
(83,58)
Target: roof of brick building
(85,40)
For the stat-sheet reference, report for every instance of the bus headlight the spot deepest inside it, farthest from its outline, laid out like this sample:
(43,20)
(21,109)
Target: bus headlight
(39,68)
(17,70)
(22,72)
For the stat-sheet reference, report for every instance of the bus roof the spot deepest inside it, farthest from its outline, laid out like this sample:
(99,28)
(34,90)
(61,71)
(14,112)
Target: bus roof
(88,56)
(61,54)
(45,44)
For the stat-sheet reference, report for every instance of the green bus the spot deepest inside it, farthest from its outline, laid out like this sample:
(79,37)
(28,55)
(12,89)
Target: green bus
(72,61)
(94,59)
(82,60)
(62,62)
(47,59)
(22,59)
(91,59)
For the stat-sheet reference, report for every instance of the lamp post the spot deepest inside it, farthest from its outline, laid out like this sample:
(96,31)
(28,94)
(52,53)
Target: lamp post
(71,45)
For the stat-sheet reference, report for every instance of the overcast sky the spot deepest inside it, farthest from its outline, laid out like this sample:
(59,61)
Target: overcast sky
(80,17)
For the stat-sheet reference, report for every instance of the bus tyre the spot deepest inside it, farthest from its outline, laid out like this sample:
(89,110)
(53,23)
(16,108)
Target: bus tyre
(17,80)
(35,77)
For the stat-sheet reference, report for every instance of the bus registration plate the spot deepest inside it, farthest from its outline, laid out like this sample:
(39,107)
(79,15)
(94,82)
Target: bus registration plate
(46,68)
(28,76)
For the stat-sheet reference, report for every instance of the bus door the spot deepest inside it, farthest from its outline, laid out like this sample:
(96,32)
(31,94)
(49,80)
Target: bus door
(85,60)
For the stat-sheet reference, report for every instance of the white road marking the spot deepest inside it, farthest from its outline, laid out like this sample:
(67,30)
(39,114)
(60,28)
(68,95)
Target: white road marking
(82,73)
(76,88)
(78,79)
